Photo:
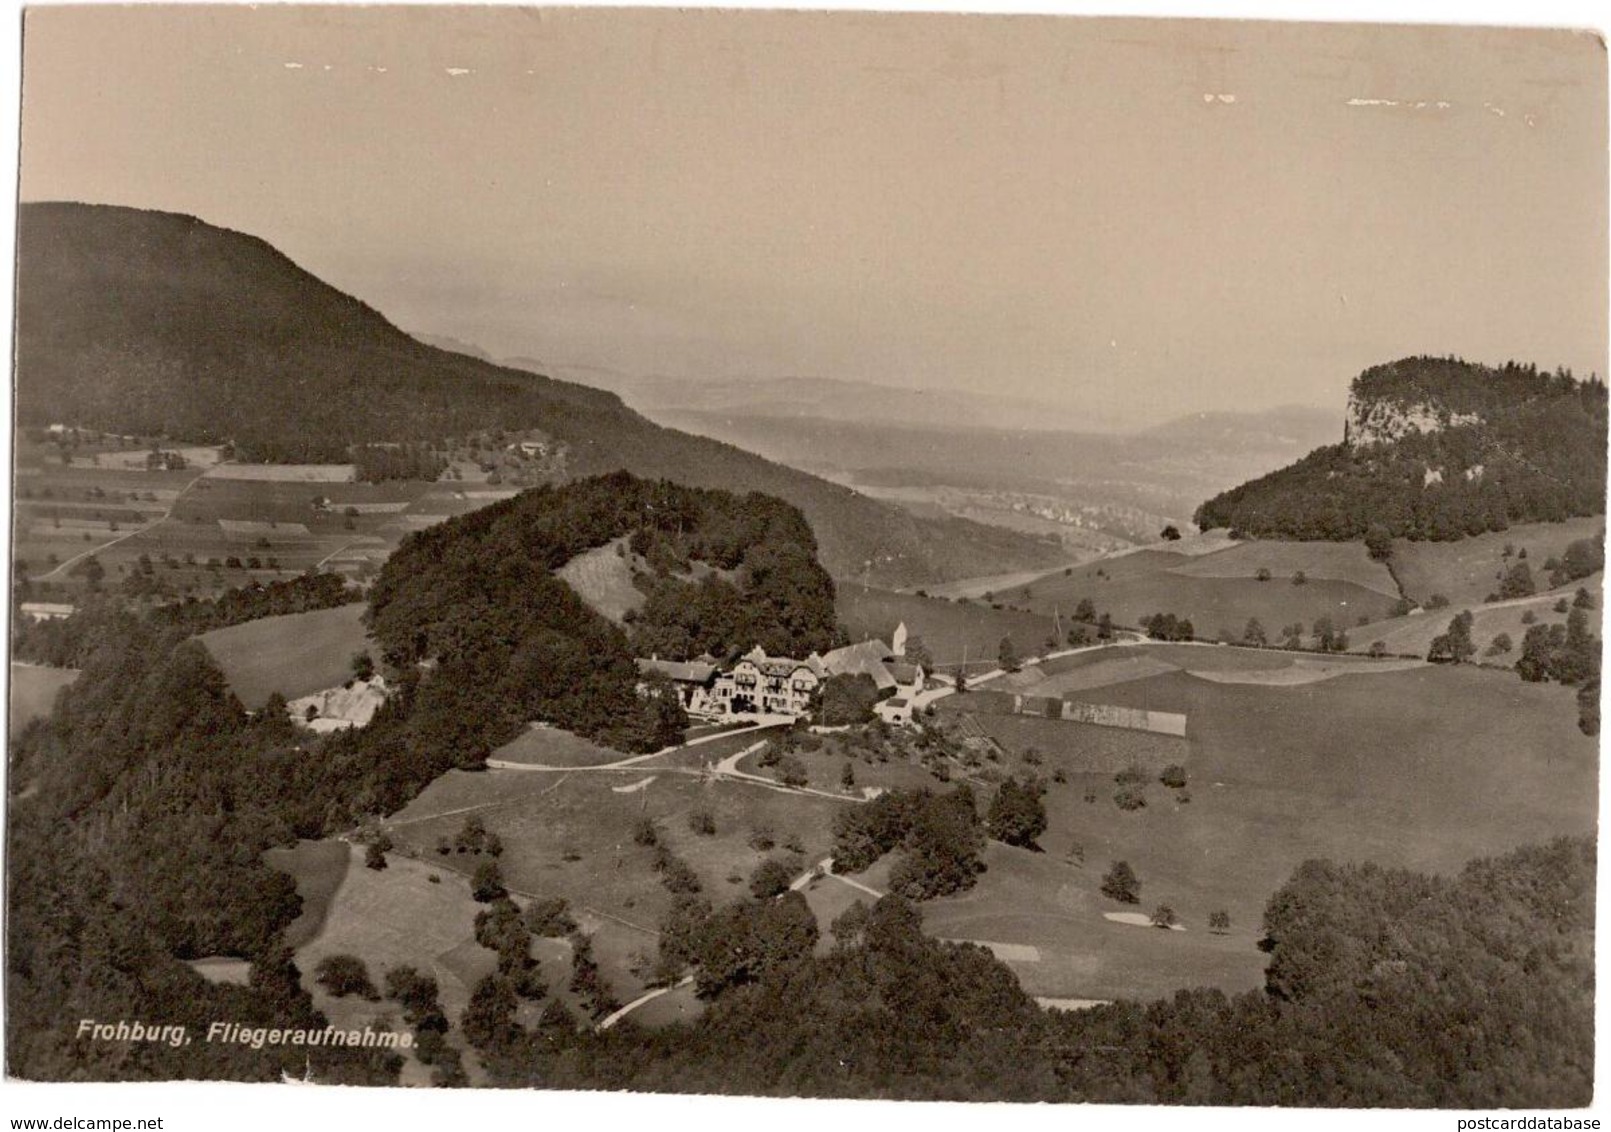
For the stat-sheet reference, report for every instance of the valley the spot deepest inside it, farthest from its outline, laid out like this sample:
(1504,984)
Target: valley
(563,737)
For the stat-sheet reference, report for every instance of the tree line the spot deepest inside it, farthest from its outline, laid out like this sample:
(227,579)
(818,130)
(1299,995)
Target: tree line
(1537,454)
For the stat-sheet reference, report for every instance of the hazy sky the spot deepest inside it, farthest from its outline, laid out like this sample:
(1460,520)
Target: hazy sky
(1132,217)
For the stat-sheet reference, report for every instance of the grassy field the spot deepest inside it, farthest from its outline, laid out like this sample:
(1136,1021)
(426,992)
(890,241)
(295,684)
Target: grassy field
(1079,748)
(1334,561)
(1414,634)
(395,917)
(1466,571)
(550,746)
(319,868)
(66,511)
(948,628)
(33,693)
(1138,585)
(1423,769)
(825,765)
(570,835)
(295,655)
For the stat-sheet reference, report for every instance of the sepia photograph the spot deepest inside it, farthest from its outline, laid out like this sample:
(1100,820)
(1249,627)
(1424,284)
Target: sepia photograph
(884,556)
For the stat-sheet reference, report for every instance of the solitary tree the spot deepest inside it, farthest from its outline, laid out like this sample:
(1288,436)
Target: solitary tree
(1379,542)
(1164,916)
(1171,533)
(1219,922)
(1254,633)
(487,883)
(1007,655)
(1121,884)
(342,975)
(1017,816)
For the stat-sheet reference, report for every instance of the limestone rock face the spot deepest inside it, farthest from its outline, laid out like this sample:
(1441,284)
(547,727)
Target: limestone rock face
(1373,420)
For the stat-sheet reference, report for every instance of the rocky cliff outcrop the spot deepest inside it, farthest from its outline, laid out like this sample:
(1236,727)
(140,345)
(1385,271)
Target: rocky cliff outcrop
(1374,420)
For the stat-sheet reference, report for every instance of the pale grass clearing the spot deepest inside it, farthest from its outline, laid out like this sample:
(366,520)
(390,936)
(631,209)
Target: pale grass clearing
(603,578)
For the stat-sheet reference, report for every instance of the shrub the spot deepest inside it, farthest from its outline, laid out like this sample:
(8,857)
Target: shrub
(761,838)
(702,822)
(645,833)
(770,878)
(550,917)
(791,771)
(1130,798)
(486,885)
(342,975)
(1173,776)
(1219,922)
(1132,775)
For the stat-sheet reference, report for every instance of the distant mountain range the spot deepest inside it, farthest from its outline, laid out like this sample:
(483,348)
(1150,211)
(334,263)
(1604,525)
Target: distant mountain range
(822,398)
(158,324)
(1437,448)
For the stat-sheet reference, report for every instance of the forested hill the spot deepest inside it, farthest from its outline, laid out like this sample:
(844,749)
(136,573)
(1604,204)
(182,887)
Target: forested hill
(157,324)
(1437,448)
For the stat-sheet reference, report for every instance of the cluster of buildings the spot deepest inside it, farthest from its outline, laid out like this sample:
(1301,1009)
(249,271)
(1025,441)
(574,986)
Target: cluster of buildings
(758,684)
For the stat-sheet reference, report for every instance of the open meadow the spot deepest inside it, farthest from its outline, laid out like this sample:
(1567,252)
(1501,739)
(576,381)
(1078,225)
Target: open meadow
(570,834)
(34,688)
(1218,604)
(294,654)
(1423,769)
(1468,570)
(1333,561)
(319,868)
(1414,633)
(602,577)
(394,917)
(210,526)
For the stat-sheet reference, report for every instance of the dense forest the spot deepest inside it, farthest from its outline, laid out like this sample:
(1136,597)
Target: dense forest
(156,324)
(1515,445)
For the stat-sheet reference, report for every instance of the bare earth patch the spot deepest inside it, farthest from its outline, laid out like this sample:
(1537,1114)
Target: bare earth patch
(1139,920)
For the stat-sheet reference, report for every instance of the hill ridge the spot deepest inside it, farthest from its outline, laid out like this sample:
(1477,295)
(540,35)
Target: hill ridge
(1437,448)
(161,324)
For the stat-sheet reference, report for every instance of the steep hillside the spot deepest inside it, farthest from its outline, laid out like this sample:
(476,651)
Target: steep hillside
(1437,448)
(157,324)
